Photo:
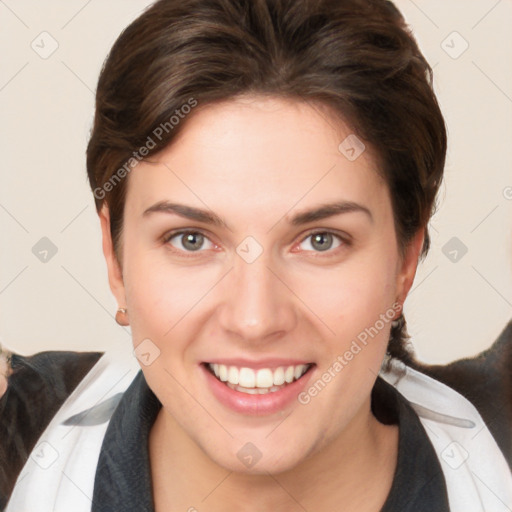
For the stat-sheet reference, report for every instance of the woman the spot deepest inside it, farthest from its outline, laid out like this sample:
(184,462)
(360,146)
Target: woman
(264,173)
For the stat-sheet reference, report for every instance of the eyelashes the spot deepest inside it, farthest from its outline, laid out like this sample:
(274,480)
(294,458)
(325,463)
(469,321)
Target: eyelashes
(317,234)
(191,242)
(192,236)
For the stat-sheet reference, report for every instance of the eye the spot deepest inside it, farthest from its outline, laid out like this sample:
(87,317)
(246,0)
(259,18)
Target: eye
(188,241)
(322,241)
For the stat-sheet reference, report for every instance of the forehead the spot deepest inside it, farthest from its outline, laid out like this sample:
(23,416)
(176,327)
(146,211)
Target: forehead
(259,152)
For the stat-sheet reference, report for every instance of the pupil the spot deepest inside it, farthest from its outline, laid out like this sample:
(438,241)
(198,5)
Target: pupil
(192,238)
(324,241)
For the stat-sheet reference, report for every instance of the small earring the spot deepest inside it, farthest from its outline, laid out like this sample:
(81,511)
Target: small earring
(398,321)
(400,318)
(121,317)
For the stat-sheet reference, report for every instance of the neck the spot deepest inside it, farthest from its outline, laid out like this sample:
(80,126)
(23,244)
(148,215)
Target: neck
(353,472)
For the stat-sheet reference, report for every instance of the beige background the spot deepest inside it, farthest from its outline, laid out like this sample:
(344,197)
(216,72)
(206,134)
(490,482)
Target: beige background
(456,308)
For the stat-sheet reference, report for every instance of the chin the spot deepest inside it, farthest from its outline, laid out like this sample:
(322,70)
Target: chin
(258,458)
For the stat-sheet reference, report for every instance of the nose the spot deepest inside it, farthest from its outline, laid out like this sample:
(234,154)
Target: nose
(258,305)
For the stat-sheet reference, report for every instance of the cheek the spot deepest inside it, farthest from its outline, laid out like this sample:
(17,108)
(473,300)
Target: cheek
(355,301)
(352,295)
(163,298)
(155,297)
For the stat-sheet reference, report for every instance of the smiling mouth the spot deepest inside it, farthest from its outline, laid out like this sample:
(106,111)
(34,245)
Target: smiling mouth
(257,382)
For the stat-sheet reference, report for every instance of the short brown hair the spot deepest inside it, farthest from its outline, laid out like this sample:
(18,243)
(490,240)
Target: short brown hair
(356,57)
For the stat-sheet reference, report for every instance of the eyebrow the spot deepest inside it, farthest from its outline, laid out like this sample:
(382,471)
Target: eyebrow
(208,217)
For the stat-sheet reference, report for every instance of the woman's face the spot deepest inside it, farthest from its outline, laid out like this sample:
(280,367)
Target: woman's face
(259,282)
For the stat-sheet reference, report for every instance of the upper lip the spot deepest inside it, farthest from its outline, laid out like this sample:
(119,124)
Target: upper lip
(271,363)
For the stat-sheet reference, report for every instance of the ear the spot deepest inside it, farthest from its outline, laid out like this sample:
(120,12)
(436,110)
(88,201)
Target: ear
(407,266)
(115,274)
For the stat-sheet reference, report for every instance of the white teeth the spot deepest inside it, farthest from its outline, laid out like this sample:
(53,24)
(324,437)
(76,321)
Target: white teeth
(288,375)
(264,378)
(279,376)
(254,391)
(299,370)
(260,380)
(223,373)
(233,375)
(247,378)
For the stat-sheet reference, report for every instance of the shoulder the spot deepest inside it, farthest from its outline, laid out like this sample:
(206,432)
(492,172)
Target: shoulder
(486,381)
(35,387)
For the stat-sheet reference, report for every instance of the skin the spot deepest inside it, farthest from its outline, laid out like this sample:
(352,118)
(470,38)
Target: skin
(256,162)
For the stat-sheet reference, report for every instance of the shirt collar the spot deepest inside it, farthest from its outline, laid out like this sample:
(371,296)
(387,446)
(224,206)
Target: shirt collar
(123,474)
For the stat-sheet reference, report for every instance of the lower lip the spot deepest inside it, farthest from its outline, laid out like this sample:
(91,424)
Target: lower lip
(256,405)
